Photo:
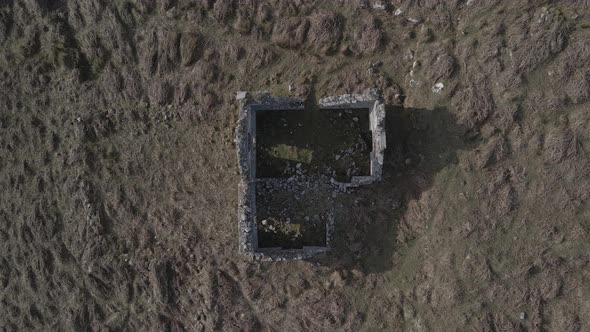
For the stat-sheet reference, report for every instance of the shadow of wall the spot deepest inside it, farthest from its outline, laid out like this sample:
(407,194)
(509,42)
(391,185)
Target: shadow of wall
(420,143)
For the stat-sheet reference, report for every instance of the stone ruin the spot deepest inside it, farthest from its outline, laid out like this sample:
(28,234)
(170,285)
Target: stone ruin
(306,157)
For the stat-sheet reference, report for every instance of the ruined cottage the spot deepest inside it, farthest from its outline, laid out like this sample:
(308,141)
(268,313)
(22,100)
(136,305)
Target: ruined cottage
(293,160)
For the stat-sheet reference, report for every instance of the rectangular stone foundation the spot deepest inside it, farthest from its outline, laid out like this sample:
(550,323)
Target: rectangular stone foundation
(250,105)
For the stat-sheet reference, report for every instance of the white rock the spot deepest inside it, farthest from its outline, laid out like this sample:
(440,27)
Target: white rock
(438,87)
(379,5)
(398,12)
(241,95)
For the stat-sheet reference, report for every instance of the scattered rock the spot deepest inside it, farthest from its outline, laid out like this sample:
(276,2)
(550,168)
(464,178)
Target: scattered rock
(378,5)
(438,87)
(337,280)
(393,94)
(241,94)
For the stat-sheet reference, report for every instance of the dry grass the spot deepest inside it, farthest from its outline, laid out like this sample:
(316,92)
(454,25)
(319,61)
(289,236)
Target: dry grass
(475,104)
(325,32)
(291,33)
(370,37)
(118,170)
(560,144)
(578,87)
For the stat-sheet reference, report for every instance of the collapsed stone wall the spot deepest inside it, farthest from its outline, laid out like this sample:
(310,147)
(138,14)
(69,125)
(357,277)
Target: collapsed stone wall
(245,139)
